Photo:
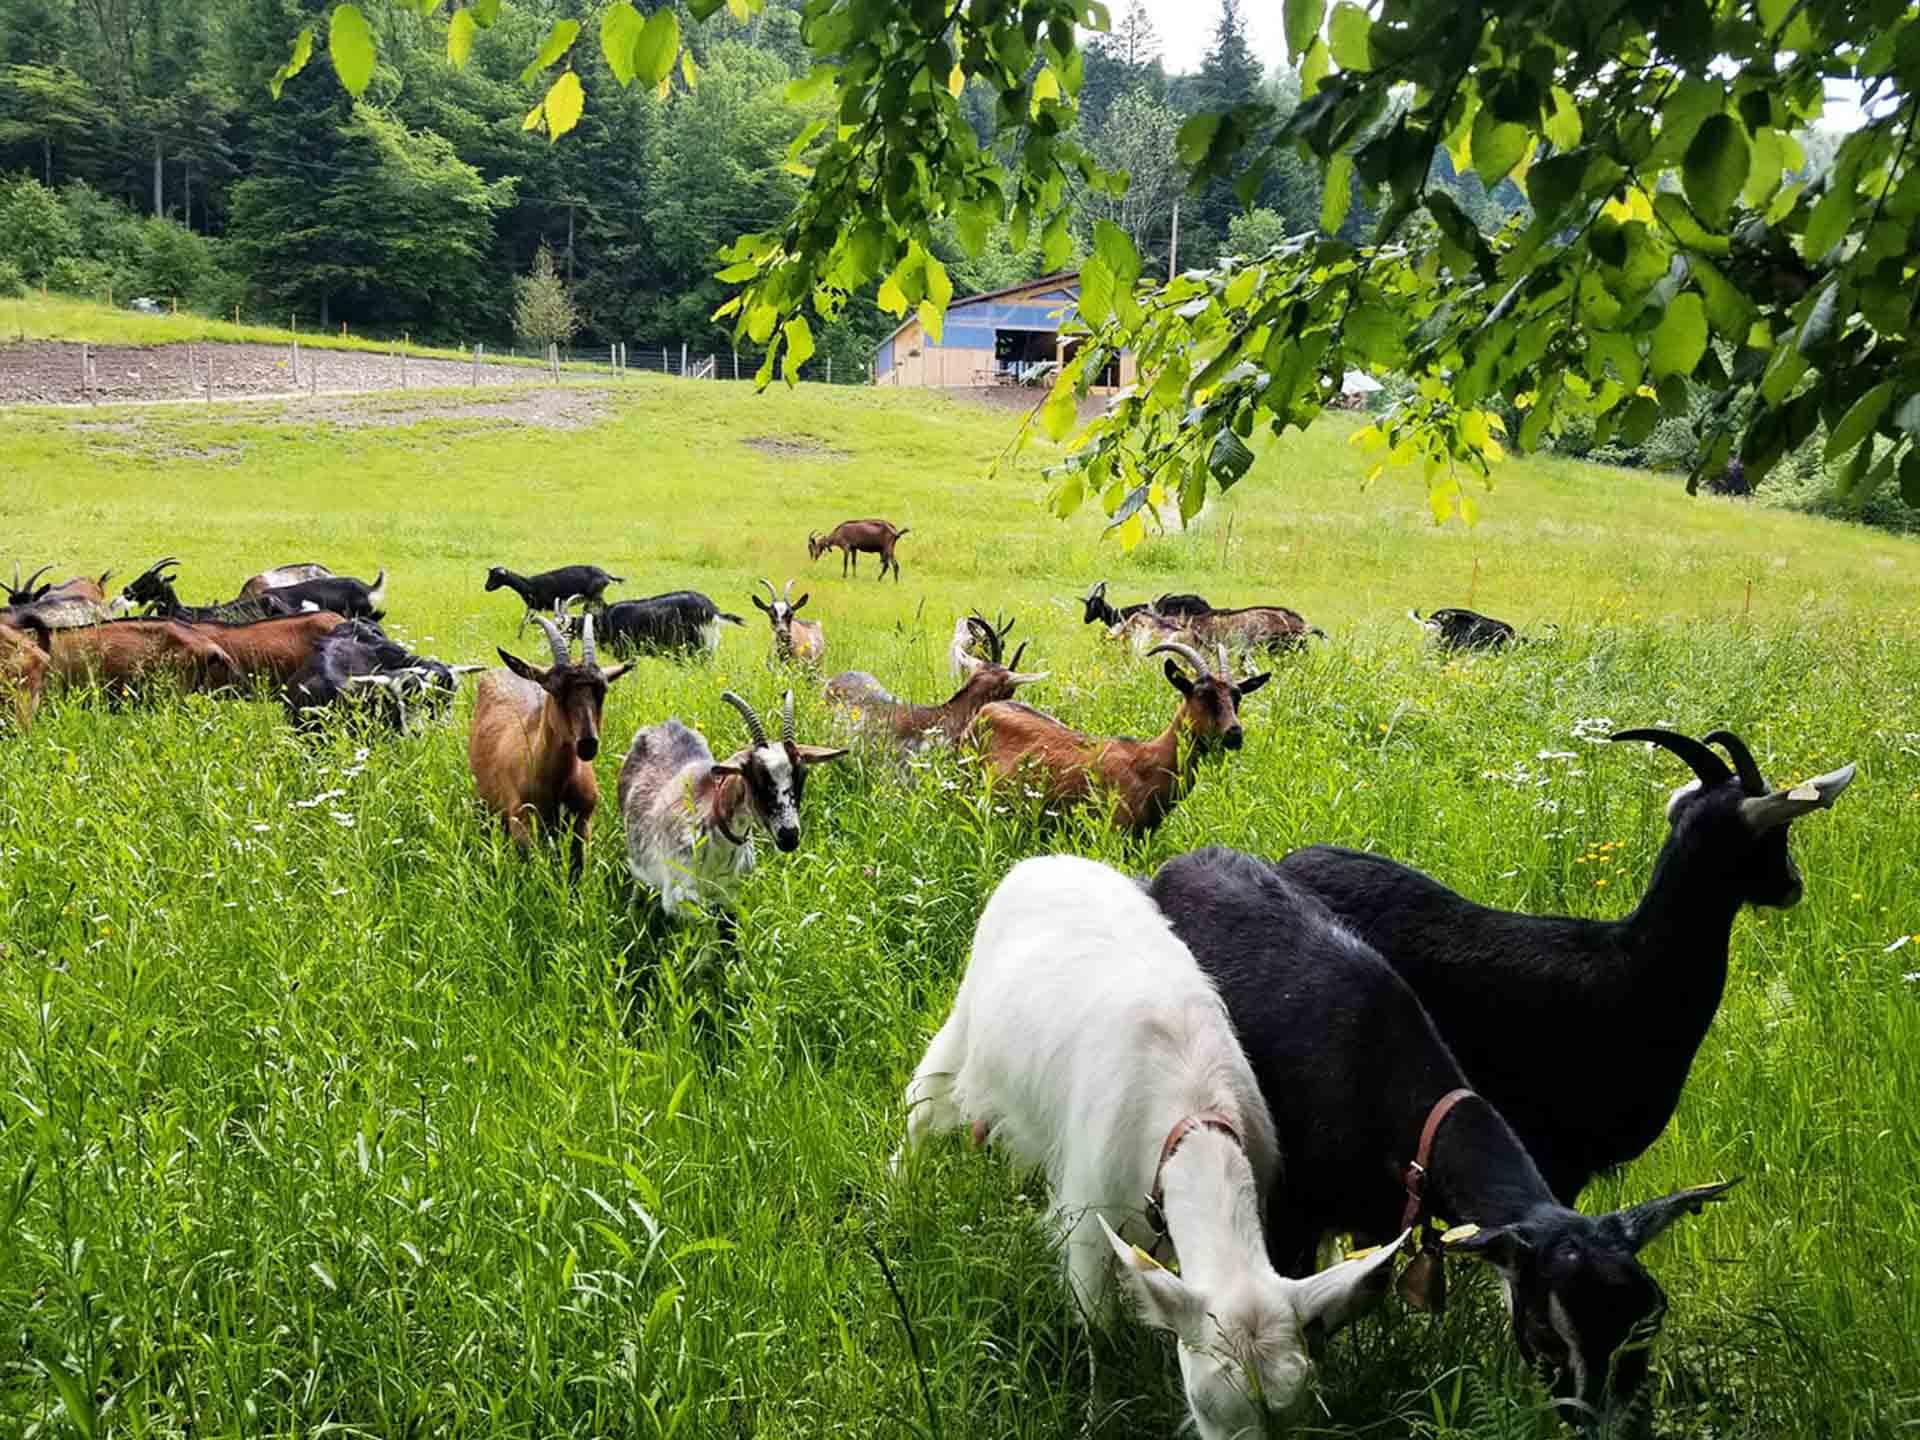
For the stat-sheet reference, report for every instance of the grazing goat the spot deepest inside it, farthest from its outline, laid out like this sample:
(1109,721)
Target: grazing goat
(152,590)
(535,733)
(1099,608)
(802,640)
(1615,1009)
(866,706)
(1144,629)
(974,639)
(551,587)
(117,655)
(26,651)
(280,577)
(690,819)
(66,606)
(680,621)
(1273,628)
(1364,1090)
(853,537)
(355,660)
(1087,1042)
(275,649)
(1457,629)
(1142,780)
(341,594)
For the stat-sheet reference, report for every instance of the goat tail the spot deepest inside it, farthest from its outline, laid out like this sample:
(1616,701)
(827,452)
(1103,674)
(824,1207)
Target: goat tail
(377,592)
(616,579)
(898,533)
(1316,630)
(730,618)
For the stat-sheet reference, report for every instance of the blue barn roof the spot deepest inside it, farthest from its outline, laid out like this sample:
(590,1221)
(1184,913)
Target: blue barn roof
(1043,305)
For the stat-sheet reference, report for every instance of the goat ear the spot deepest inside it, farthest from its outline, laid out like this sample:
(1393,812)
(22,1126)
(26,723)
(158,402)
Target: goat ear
(523,669)
(1766,812)
(801,603)
(761,604)
(1501,1247)
(818,754)
(1344,1292)
(1178,680)
(1253,682)
(725,768)
(616,672)
(1640,1225)
(1164,1300)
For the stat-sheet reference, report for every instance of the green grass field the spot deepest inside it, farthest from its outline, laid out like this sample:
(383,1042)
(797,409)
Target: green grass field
(322,1112)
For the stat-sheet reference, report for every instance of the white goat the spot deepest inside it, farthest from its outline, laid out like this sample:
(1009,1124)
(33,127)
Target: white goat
(1087,1040)
(689,818)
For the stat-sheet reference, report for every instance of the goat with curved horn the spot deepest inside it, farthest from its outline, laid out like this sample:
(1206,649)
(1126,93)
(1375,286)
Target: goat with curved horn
(1703,762)
(1186,653)
(756,731)
(589,652)
(1751,780)
(786,719)
(556,642)
(772,594)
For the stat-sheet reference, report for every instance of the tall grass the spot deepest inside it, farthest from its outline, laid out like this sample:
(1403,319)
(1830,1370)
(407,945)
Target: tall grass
(320,1110)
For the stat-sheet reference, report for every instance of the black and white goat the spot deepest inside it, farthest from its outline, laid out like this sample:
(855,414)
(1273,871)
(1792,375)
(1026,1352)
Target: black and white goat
(802,640)
(543,592)
(340,594)
(357,660)
(690,819)
(1086,1041)
(1176,606)
(1614,1009)
(1363,1090)
(680,621)
(152,590)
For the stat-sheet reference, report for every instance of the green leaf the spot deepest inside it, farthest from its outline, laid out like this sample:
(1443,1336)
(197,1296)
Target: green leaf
(1563,126)
(1833,214)
(485,12)
(1337,194)
(1730,312)
(460,36)
(350,46)
(1497,147)
(1056,241)
(1716,167)
(799,337)
(1240,288)
(1096,291)
(1303,19)
(1769,168)
(1860,420)
(1061,408)
(1347,37)
(1910,478)
(1554,181)
(1611,348)
(939,287)
(296,62)
(811,86)
(559,40)
(1680,339)
(620,28)
(659,43)
(1823,318)
(1675,214)
(564,103)
(1115,247)
(1229,459)
(1314,68)
(932,319)
(1907,417)
(1195,140)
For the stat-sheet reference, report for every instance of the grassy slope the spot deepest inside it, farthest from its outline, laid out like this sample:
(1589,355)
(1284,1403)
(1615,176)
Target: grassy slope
(362,1120)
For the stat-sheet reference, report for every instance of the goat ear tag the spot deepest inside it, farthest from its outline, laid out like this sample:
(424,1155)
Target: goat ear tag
(1459,1233)
(1423,1284)
(1807,792)
(1147,1259)
(1363,1253)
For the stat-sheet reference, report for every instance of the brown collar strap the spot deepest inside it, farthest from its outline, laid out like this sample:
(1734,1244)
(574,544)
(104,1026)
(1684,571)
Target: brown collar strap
(1185,1126)
(1415,1175)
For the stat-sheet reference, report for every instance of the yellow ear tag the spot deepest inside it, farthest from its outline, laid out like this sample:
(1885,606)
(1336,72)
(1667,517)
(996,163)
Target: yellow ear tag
(1459,1233)
(1148,1258)
(1362,1254)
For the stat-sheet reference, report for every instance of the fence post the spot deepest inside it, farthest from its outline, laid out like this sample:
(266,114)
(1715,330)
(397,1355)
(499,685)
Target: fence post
(829,369)
(404,340)
(313,376)
(294,364)
(736,364)
(209,374)
(683,359)
(86,371)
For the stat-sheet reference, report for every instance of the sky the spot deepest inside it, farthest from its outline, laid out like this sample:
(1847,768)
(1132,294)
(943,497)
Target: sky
(1186,30)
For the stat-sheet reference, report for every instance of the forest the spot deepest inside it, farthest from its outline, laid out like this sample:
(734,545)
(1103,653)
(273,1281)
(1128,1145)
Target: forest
(143,153)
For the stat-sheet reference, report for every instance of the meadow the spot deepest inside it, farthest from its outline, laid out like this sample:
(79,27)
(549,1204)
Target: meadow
(321,1111)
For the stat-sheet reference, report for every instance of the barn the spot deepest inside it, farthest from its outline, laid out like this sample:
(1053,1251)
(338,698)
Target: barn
(1004,337)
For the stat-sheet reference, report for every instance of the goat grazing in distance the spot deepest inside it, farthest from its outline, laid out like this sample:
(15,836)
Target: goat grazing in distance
(1098,608)
(342,594)
(1087,1042)
(280,577)
(1581,1098)
(548,589)
(1273,628)
(534,735)
(152,590)
(855,537)
(802,640)
(65,606)
(1143,778)
(678,622)
(865,706)
(356,660)
(1454,628)
(1363,1088)
(26,652)
(975,638)
(690,819)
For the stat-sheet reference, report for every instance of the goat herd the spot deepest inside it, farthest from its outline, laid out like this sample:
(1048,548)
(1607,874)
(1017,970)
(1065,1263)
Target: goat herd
(1271,1053)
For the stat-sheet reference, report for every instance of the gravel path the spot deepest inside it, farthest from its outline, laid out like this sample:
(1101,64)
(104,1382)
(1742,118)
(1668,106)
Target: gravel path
(49,372)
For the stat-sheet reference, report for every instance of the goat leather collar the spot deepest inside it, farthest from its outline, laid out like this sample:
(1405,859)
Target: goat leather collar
(1185,1126)
(1415,1175)
(737,841)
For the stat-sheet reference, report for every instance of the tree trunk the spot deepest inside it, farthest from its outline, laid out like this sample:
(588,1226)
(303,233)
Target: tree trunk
(159,178)
(186,193)
(325,325)
(46,157)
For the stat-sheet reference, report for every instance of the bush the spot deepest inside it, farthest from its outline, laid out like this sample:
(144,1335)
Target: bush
(73,276)
(34,228)
(12,282)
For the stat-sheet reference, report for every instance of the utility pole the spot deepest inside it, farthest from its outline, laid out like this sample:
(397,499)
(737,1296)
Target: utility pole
(1173,246)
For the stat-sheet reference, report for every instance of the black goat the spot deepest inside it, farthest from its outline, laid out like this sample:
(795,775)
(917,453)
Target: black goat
(1459,629)
(1177,605)
(1360,1084)
(1582,1031)
(152,590)
(342,594)
(357,658)
(680,620)
(549,588)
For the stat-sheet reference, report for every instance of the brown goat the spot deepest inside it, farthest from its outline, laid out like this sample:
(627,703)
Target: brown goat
(802,640)
(852,537)
(1254,627)
(276,649)
(116,655)
(868,707)
(535,734)
(26,650)
(1144,779)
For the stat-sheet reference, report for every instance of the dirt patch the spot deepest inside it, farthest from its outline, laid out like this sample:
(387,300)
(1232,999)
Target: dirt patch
(796,447)
(544,407)
(1022,399)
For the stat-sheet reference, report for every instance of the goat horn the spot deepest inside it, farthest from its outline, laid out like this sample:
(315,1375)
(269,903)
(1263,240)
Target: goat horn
(589,652)
(772,594)
(1226,665)
(755,730)
(36,575)
(555,640)
(786,718)
(1703,762)
(1019,650)
(788,597)
(1751,780)
(1186,653)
